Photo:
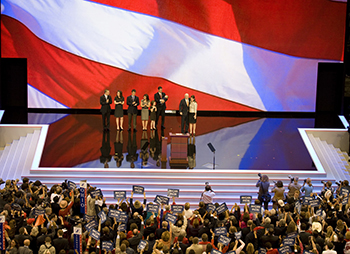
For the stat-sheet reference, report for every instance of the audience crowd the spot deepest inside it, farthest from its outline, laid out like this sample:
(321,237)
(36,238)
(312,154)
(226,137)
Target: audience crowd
(295,220)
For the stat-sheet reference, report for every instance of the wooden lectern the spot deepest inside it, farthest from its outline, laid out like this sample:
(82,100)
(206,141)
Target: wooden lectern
(178,150)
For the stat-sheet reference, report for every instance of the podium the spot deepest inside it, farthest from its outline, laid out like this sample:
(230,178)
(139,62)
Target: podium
(178,150)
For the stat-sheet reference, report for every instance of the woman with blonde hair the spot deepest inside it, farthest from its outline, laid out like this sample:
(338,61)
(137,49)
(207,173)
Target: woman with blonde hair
(166,238)
(250,248)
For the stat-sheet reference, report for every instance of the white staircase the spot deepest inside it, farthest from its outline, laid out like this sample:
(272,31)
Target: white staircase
(16,158)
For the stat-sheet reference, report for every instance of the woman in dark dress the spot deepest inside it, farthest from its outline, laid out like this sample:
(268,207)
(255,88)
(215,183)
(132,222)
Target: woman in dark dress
(192,116)
(118,113)
(153,115)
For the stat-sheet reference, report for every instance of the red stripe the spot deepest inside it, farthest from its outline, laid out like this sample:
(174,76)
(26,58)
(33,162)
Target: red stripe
(76,139)
(311,29)
(78,83)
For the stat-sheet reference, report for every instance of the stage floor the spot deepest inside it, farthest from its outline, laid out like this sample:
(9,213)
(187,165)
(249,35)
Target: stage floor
(246,143)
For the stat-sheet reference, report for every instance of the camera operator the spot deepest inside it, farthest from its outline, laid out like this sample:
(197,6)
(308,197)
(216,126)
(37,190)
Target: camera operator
(293,186)
(327,186)
(208,194)
(263,194)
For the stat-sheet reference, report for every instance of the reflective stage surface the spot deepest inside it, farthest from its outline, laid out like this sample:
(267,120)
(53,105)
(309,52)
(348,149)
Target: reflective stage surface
(78,140)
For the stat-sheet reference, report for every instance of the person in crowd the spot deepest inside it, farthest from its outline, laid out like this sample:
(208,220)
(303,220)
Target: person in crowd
(193,115)
(25,248)
(132,101)
(60,243)
(208,195)
(184,109)
(293,186)
(279,193)
(161,98)
(47,248)
(264,196)
(105,101)
(307,188)
(145,105)
(119,113)
(153,115)
(327,190)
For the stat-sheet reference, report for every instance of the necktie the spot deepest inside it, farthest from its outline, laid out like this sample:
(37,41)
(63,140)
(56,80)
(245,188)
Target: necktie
(160,95)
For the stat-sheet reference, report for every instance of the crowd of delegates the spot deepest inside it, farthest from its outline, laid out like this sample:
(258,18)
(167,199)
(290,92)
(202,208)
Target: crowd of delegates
(41,220)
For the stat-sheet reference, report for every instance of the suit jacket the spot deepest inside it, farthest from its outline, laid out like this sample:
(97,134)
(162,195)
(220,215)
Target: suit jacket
(183,106)
(61,244)
(24,250)
(132,109)
(105,106)
(135,240)
(157,99)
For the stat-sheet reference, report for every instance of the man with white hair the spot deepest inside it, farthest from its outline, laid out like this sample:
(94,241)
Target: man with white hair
(183,109)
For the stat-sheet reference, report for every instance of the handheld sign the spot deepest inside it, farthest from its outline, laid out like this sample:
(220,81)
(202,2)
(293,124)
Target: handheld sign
(221,208)
(173,193)
(344,192)
(238,235)
(171,218)
(213,251)
(142,245)
(102,216)
(96,193)
(152,208)
(177,209)
(224,240)
(298,206)
(119,194)
(211,207)
(38,212)
(123,217)
(345,200)
(83,197)
(88,217)
(220,231)
(77,241)
(138,189)
(92,224)
(71,185)
(306,200)
(253,208)
(2,233)
(314,203)
(288,241)
(113,213)
(319,212)
(107,245)
(161,200)
(307,252)
(95,234)
(262,251)
(122,227)
(292,235)
(245,199)
(284,250)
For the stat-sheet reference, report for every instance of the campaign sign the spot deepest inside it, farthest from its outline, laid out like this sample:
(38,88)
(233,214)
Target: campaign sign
(262,251)
(253,208)
(344,192)
(220,231)
(245,199)
(173,193)
(177,209)
(152,208)
(2,233)
(306,200)
(298,206)
(113,213)
(211,207)
(238,235)
(142,245)
(345,200)
(71,185)
(122,227)
(83,197)
(288,241)
(224,240)
(77,241)
(231,252)
(319,212)
(95,234)
(123,217)
(307,252)
(119,194)
(292,235)
(89,226)
(138,189)
(107,245)
(314,203)
(213,251)
(284,250)
(171,218)
(221,208)
(38,212)
(96,193)
(102,216)
(161,200)
(88,217)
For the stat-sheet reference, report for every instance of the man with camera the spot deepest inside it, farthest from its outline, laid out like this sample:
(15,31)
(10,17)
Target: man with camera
(263,195)
(293,186)
(208,194)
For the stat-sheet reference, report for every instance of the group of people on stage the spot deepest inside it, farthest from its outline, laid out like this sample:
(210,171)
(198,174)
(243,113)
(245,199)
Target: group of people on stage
(150,110)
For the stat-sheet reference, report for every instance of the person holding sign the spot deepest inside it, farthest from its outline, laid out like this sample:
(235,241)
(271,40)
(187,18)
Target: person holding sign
(137,207)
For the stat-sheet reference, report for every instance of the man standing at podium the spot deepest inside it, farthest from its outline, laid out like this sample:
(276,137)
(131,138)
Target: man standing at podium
(105,101)
(183,108)
(161,99)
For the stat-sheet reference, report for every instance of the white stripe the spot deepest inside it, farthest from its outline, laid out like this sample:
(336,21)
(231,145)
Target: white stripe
(155,47)
(37,99)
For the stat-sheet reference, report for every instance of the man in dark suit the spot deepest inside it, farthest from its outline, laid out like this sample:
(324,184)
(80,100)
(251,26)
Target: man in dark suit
(60,243)
(184,108)
(105,101)
(132,101)
(161,99)
(137,237)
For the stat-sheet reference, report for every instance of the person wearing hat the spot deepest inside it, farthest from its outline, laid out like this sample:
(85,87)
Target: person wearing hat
(65,208)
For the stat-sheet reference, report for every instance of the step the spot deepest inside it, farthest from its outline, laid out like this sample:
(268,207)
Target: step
(20,166)
(8,174)
(17,157)
(31,152)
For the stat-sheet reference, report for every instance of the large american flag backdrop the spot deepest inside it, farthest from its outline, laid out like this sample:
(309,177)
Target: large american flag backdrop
(244,55)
